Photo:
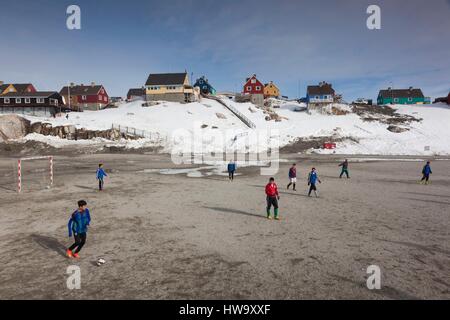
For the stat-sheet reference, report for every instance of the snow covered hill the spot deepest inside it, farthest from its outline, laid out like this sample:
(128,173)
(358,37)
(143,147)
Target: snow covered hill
(216,128)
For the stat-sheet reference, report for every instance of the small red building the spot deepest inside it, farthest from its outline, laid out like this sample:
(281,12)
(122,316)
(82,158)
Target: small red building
(253,86)
(81,97)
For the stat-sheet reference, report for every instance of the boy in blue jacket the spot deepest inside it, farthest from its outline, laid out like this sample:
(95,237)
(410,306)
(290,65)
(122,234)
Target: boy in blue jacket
(100,175)
(78,226)
(231,170)
(313,178)
(426,171)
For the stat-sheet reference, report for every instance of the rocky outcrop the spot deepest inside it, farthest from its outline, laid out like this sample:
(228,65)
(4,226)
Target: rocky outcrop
(70,132)
(13,127)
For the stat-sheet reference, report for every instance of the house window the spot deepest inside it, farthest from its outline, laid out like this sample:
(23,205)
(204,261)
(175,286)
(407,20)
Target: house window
(396,100)
(106,99)
(18,100)
(253,81)
(27,100)
(258,88)
(317,97)
(40,100)
(54,102)
(249,88)
(100,97)
(6,100)
(410,99)
(83,98)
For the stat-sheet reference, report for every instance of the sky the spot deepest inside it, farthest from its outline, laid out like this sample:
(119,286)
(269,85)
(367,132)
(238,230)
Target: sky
(294,43)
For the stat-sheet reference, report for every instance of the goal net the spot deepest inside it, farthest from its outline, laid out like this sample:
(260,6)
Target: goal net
(34,173)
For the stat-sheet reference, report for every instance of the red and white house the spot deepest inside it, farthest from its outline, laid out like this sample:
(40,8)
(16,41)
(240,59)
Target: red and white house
(81,97)
(253,86)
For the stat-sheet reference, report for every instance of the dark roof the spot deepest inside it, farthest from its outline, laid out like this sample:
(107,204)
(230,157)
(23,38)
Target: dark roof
(401,93)
(136,92)
(3,87)
(322,89)
(166,79)
(38,94)
(21,87)
(81,90)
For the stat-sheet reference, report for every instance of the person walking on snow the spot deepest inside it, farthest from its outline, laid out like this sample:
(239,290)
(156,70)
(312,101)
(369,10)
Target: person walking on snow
(292,176)
(426,171)
(231,170)
(78,226)
(313,178)
(272,198)
(100,176)
(344,166)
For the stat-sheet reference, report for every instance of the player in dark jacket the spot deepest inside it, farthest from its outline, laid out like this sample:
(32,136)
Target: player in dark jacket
(292,176)
(231,170)
(344,166)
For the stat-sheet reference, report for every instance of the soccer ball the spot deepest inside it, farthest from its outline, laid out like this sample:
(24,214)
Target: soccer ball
(100,262)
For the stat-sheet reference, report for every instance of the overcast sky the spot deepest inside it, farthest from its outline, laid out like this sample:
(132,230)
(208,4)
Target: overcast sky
(293,43)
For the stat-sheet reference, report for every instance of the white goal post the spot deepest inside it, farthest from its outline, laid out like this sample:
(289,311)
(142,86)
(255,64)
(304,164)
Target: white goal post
(19,169)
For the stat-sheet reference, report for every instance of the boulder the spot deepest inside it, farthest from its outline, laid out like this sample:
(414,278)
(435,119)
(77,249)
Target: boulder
(396,129)
(36,127)
(46,129)
(13,127)
(220,116)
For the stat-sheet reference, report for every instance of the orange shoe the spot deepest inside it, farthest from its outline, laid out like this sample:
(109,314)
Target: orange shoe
(69,253)
(76,256)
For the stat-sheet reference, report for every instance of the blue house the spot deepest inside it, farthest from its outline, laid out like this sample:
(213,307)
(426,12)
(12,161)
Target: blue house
(321,94)
(204,86)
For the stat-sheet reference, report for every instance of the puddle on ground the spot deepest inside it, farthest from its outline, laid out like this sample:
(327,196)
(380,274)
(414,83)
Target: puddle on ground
(211,170)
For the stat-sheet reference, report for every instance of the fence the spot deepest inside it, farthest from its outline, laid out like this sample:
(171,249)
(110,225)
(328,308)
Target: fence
(153,136)
(235,111)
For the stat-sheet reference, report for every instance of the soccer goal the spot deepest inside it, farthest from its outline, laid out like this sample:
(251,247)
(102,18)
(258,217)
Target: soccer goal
(34,173)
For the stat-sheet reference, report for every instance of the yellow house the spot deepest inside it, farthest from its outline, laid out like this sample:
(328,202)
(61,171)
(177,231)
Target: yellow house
(271,90)
(173,87)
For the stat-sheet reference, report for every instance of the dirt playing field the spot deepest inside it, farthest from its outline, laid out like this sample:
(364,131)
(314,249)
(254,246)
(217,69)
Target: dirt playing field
(169,236)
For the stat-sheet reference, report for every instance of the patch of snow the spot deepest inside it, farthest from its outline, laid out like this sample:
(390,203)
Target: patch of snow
(428,137)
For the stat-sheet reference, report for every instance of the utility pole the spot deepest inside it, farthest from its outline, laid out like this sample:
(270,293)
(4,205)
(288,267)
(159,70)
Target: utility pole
(68,90)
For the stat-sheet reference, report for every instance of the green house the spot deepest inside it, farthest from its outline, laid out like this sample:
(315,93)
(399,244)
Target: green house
(401,96)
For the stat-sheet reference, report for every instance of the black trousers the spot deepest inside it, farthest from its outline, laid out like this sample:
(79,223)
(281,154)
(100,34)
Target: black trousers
(312,188)
(100,184)
(426,177)
(272,201)
(80,241)
(231,175)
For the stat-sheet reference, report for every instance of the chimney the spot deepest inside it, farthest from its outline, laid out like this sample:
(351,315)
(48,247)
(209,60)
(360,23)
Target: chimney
(82,85)
(72,84)
(389,89)
(93,84)
(410,88)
